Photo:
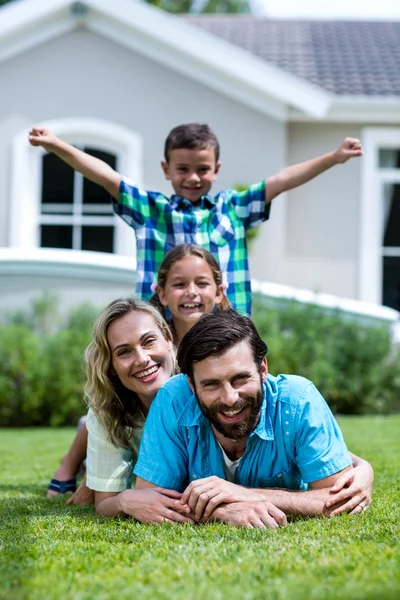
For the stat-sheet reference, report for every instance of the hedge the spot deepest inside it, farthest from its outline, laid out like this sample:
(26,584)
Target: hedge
(356,368)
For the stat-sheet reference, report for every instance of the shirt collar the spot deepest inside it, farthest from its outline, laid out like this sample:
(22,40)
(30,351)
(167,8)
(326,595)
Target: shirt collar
(179,202)
(192,415)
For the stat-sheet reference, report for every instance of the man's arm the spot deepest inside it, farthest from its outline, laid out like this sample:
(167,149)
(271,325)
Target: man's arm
(243,514)
(204,496)
(292,177)
(92,168)
(354,487)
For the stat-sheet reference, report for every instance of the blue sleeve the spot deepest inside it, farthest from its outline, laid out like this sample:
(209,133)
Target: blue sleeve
(319,446)
(133,205)
(250,205)
(163,451)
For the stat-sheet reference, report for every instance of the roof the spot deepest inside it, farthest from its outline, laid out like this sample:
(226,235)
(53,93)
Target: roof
(342,57)
(283,69)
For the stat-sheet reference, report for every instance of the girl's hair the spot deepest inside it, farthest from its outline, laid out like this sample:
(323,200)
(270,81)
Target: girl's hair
(114,405)
(178,253)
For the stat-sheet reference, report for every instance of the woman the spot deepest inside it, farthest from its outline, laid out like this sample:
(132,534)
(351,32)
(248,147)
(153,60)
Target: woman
(189,284)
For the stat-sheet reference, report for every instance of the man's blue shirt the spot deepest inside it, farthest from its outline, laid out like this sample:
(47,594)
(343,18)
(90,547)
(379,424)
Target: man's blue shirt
(296,441)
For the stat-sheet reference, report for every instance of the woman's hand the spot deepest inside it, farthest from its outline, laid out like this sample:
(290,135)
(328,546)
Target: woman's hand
(353,489)
(153,505)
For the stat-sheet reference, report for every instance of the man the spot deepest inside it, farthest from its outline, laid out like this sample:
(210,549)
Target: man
(242,446)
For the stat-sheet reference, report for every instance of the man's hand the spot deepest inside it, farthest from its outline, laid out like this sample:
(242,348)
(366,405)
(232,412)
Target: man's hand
(249,515)
(352,491)
(349,148)
(153,505)
(40,136)
(202,497)
(83,495)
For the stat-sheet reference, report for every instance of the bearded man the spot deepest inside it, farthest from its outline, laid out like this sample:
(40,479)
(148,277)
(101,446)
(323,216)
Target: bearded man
(240,445)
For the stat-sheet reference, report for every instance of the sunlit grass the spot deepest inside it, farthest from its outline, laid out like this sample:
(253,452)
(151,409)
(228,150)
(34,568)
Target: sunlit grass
(50,550)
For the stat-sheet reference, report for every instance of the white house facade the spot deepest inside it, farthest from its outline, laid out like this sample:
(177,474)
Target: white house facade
(114,77)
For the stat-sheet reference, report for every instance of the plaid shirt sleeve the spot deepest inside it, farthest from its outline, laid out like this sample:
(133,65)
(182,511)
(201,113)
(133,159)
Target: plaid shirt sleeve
(250,206)
(133,204)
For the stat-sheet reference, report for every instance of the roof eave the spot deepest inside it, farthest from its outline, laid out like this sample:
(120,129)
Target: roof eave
(358,109)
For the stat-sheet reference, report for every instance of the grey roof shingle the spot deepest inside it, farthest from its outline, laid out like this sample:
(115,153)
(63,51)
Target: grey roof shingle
(343,57)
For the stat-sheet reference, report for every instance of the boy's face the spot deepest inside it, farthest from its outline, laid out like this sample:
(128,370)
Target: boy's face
(191,172)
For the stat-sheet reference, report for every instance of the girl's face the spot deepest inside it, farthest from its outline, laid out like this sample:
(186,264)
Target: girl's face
(140,354)
(190,290)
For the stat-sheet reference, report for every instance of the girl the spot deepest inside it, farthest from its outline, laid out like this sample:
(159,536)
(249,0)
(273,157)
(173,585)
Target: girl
(189,285)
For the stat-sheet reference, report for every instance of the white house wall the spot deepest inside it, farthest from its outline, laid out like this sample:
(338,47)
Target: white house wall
(322,249)
(83,75)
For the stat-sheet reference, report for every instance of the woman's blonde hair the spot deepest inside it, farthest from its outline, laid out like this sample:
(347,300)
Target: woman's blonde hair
(114,405)
(178,253)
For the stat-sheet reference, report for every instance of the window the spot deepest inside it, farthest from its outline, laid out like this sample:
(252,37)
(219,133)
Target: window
(380,218)
(75,213)
(53,206)
(389,175)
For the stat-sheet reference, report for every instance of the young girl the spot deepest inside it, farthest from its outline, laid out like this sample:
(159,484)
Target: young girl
(189,285)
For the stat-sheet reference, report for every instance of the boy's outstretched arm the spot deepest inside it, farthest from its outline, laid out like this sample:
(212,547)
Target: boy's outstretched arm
(92,168)
(296,175)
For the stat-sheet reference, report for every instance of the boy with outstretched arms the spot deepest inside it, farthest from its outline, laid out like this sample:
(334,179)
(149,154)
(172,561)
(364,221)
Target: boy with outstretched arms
(191,215)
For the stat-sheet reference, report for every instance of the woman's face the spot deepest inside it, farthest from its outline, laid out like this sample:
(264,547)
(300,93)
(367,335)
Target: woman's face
(190,290)
(140,354)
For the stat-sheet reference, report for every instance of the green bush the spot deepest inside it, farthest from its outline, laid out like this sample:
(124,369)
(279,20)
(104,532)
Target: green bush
(355,367)
(20,376)
(41,364)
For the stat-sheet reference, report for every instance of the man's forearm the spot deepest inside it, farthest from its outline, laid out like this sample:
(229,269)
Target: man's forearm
(310,503)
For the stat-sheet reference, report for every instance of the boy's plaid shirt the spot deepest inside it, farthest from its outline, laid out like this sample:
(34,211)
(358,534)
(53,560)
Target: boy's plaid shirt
(219,225)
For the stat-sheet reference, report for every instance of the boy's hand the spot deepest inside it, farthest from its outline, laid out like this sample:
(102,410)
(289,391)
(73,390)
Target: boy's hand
(349,148)
(40,136)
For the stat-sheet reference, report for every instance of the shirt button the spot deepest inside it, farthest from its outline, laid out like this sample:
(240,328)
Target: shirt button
(279,475)
(286,422)
(194,476)
(287,412)
(287,433)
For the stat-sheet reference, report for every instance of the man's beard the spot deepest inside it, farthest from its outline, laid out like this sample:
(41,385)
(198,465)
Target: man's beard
(242,429)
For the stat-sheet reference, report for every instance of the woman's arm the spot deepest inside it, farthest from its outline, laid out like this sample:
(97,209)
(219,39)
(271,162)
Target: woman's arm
(152,505)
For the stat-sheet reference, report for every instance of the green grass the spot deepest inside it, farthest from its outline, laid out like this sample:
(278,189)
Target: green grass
(50,550)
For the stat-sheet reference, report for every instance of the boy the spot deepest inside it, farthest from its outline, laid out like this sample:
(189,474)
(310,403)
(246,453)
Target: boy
(192,216)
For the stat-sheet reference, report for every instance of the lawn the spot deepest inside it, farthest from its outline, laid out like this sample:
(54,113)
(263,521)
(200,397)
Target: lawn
(50,550)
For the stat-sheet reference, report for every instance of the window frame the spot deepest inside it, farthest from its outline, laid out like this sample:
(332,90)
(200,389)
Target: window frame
(26,176)
(373,178)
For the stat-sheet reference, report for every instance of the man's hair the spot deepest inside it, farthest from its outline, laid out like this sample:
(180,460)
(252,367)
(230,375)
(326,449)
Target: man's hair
(191,136)
(215,334)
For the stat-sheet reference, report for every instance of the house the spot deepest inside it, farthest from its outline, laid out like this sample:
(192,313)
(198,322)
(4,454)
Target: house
(115,77)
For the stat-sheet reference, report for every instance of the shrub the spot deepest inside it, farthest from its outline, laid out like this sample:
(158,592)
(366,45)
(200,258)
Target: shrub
(21,390)
(355,367)
(41,364)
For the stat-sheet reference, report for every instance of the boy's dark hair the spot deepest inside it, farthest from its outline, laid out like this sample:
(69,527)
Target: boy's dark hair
(191,136)
(214,334)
